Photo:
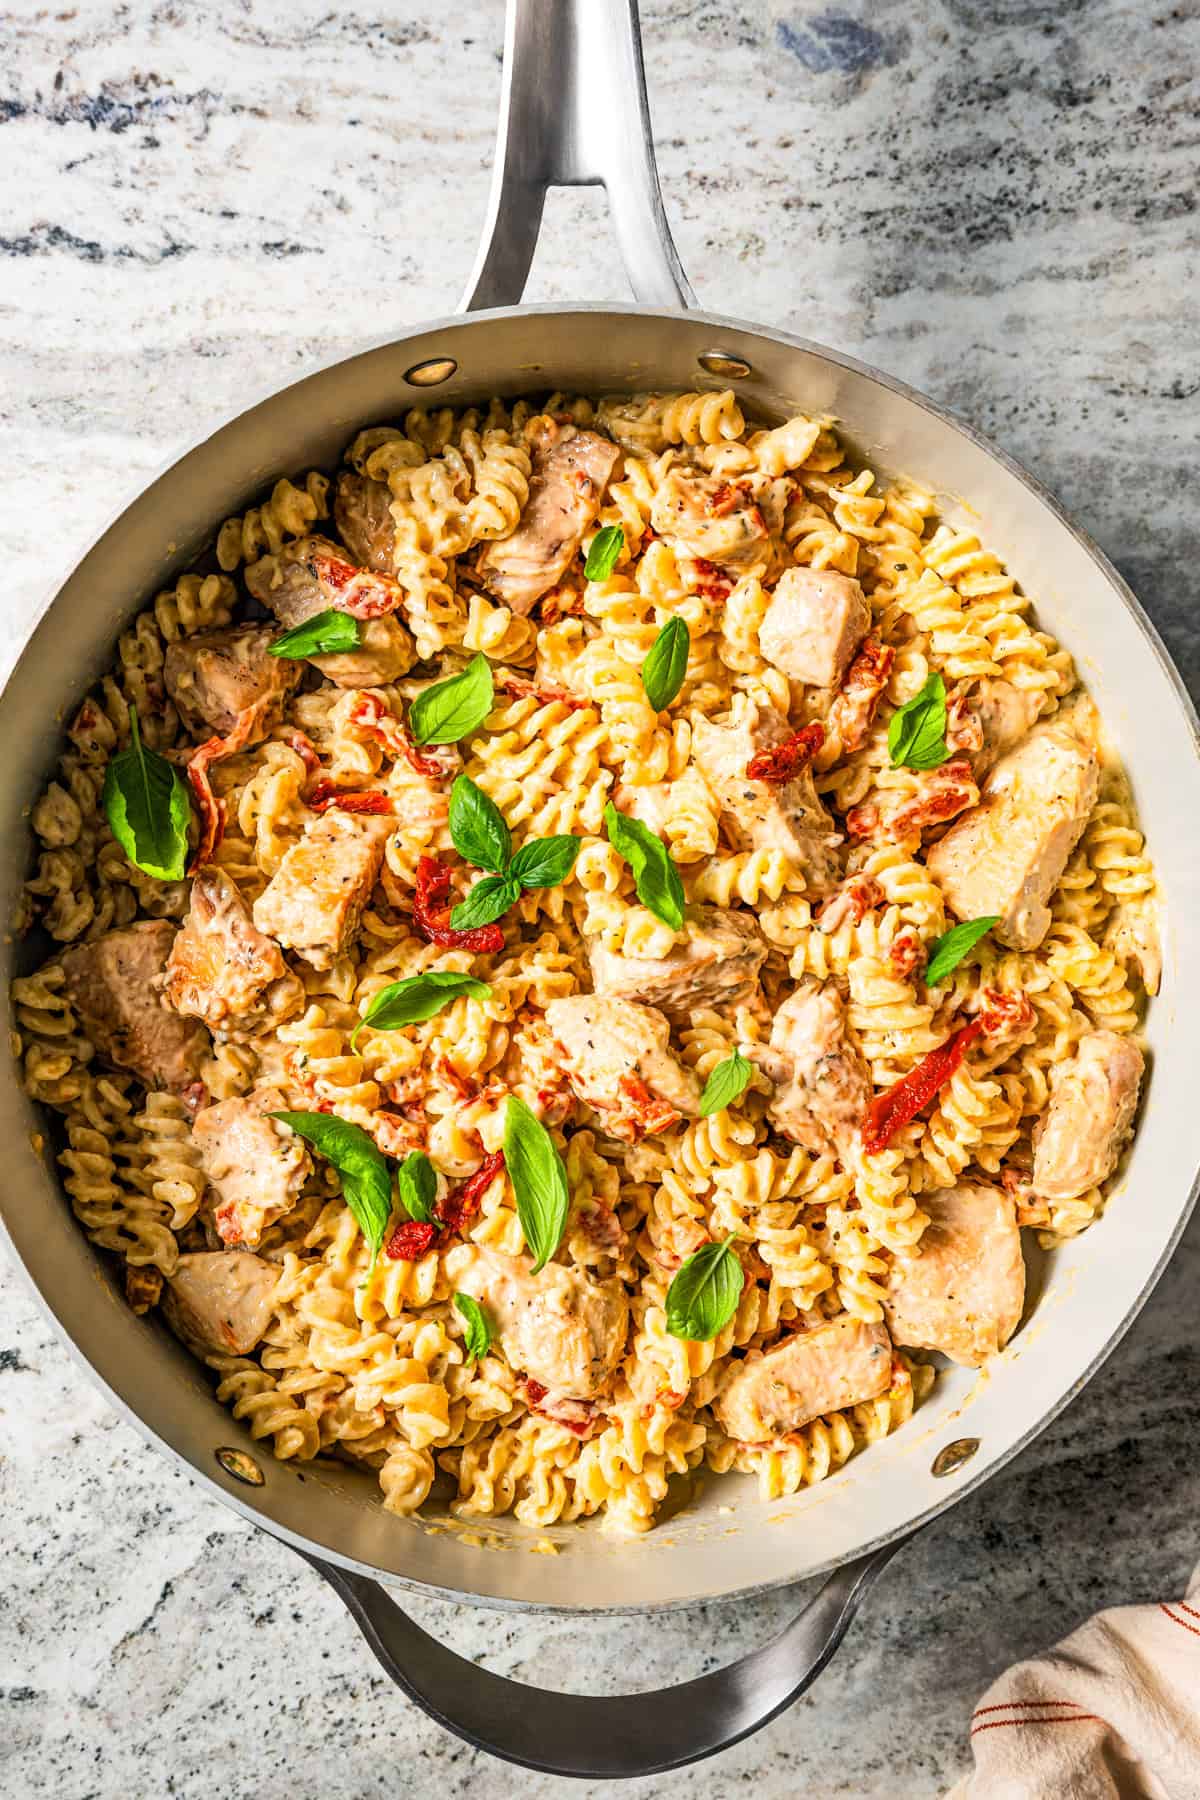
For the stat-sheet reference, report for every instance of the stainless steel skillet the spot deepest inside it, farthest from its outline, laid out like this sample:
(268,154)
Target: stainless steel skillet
(574,110)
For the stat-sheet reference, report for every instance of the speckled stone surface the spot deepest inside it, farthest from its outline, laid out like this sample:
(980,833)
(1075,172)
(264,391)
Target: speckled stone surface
(996,200)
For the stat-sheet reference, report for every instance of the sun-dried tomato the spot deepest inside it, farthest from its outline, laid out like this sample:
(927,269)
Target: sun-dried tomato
(518,688)
(374,720)
(851,903)
(360,592)
(457,1209)
(888,1112)
(409,1241)
(305,749)
(431,913)
(855,705)
(534,1391)
(351,800)
(782,762)
(212,810)
(648,1114)
(906,955)
(710,582)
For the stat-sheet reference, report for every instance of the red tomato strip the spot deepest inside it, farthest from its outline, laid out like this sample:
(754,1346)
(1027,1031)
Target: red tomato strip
(410,1240)
(351,800)
(374,720)
(360,592)
(779,764)
(431,912)
(462,1203)
(212,810)
(888,1112)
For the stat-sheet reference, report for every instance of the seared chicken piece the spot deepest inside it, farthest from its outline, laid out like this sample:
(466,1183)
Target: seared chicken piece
(730,523)
(296,584)
(256,1166)
(1092,1102)
(618,1062)
(717,966)
(565,1331)
(314,900)
(822,1084)
(814,624)
(1007,855)
(222,969)
(816,1372)
(962,1290)
(216,676)
(115,985)
(764,815)
(988,718)
(220,1300)
(570,473)
(362,511)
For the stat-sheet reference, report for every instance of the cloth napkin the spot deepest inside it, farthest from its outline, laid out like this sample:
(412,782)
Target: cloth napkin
(1111,1713)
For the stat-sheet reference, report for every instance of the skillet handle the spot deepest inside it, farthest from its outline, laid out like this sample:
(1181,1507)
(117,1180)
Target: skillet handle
(573,113)
(599,1736)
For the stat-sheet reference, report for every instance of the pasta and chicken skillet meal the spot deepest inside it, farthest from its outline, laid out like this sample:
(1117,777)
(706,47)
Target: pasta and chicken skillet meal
(579,949)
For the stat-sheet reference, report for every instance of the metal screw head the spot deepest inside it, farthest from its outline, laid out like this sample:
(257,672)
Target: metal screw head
(429,373)
(723,363)
(240,1466)
(952,1458)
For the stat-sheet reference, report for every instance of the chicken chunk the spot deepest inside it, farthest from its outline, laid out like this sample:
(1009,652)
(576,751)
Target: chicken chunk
(566,1332)
(1092,1102)
(220,1301)
(815,1372)
(215,677)
(963,1288)
(222,969)
(570,473)
(362,511)
(256,1166)
(297,583)
(733,524)
(618,1062)
(988,718)
(765,815)
(1006,856)
(814,624)
(717,966)
(115,985)
(314,900)
(822,1084)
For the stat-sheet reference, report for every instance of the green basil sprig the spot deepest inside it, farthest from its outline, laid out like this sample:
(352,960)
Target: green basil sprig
(448,711)
(704,1294)
(416,998)
(917,730)
(480,836)
(362,1166)
(727,1083)
(602,555)
(539,1181)
(477,1338)
(416,1184)
(147,805)
(322,635)
(946,952)
(666,665)
(654,874)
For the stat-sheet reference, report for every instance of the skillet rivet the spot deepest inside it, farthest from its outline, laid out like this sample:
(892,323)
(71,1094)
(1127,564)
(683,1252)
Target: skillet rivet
(954,1456)
(724,363)
(241,1467)
(429,374)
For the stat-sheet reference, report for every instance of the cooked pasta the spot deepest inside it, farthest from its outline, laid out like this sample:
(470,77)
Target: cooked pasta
(892,1118)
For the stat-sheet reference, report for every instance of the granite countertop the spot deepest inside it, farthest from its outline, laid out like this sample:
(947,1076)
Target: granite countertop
(994,199)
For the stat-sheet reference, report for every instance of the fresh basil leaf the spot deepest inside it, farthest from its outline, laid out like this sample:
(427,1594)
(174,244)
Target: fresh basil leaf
(539,1181)
(416,1184)
(703,1297)
(666,665)
(946,952)
(415,998)
(478,1336)
(917,730)
(545,862)
(477,829)
(487,901)
(321,635)
(362,1166)
(727,1083)
(606,547)
(447,712)
(146,801)
(655,875)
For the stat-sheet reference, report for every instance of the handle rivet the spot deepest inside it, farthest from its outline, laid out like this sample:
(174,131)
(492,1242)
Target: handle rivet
(430,373)
(241,1467)
(954,1456)
(723,363)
